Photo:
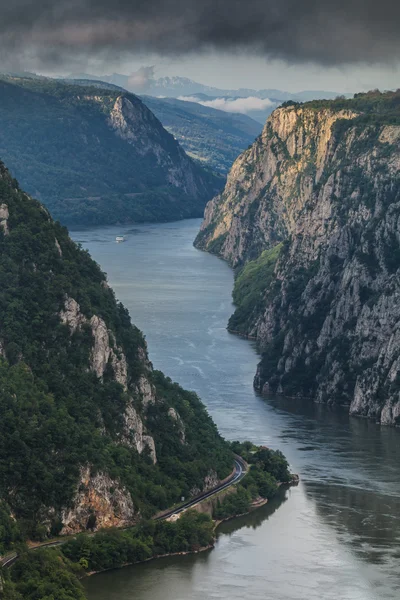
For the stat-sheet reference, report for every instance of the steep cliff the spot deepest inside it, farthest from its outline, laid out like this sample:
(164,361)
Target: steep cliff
(90,435)
(97,155)
(310,219)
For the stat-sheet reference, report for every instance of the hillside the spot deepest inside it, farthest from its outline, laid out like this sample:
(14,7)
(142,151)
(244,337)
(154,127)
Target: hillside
(90,435)
(214,137)
(309,218)
(96,156)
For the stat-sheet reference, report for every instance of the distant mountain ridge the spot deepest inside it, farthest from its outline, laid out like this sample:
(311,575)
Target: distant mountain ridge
(177,86)
(213,137)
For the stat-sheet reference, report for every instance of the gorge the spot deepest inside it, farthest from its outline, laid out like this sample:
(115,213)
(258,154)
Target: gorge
(336,534)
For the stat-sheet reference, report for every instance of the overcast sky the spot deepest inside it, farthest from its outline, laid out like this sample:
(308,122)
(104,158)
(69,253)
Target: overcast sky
(234,70)
(343,45)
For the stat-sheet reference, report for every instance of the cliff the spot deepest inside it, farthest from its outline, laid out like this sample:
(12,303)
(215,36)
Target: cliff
(310,220)
(97,156)
(90,435)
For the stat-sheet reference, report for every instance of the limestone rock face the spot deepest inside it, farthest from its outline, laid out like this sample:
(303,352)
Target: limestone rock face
(99,502)
(58,247)
(4,218)
(210,482)
(104,348)
(134,433)
(175,416)
(326,183)
(71,315)
(140,128)
(146,391)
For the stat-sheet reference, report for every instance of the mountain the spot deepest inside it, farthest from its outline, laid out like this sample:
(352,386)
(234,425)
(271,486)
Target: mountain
(214,137)
(183,86)
(90,435)
(310,220)
(95,155)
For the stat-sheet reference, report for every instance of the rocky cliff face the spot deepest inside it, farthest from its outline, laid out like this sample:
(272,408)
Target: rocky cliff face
(321,187)
(134,122)
(95,437)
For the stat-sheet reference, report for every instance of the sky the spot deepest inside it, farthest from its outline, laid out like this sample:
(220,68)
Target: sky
(234,70)
(343,45)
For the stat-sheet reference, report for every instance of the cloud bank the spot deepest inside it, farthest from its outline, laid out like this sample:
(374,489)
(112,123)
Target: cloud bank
(333,32)
(233,105)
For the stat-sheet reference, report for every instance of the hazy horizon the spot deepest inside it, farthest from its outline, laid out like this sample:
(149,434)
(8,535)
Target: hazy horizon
(234,72)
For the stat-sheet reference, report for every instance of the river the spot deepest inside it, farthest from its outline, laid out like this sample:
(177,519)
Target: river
(334,537)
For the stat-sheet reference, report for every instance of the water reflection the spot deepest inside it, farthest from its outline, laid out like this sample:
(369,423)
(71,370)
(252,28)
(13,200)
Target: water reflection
(256,518)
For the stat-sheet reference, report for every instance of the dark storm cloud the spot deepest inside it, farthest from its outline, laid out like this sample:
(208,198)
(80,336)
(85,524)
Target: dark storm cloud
(332,33)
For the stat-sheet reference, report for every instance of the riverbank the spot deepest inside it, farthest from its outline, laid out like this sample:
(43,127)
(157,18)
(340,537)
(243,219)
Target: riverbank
(349,468)
(152,558)
(258,503)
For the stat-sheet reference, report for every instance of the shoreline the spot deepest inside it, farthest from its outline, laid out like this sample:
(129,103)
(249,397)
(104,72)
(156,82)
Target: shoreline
(253,506)
(146,560)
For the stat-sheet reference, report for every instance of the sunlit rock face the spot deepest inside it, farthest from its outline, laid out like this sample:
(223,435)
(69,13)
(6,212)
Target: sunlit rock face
(324,183)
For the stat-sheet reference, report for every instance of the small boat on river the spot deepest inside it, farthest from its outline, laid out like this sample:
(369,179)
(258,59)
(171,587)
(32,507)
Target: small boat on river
(119,239)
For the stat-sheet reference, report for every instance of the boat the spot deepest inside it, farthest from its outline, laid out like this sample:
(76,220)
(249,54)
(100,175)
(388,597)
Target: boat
(119,238)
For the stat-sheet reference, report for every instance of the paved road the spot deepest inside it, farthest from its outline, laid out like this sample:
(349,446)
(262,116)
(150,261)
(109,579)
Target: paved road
(240,472)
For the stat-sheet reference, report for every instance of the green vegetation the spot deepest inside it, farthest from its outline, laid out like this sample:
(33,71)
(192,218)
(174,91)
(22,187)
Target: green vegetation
(42,575)
(267,468)
(375,106)
(111,549)
(57,139)
(57,415)
(251,284)
(53,574)
(214,137)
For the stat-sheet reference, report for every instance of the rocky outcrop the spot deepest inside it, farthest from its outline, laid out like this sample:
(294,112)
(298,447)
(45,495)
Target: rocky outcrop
(58,247)
(146,391)
(175,416)
(210,482)
(134,433)
(4,218)
(325,182)
(133,122)
(99,502)
(104,350)
(71,315)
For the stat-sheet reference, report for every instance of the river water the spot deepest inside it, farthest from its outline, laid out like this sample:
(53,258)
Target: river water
(334,537)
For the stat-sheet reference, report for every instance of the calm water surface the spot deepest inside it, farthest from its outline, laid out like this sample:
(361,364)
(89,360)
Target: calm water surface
(334,537)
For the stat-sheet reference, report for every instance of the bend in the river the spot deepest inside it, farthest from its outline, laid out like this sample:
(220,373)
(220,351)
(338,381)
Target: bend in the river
(336,535)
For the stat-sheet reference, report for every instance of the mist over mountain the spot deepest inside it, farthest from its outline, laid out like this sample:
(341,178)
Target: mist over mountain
(257,103)
(144,82)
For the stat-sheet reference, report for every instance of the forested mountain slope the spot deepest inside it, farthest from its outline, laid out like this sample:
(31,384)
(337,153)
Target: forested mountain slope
(212,136)
(96,156)
(90,435)
(310,218)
